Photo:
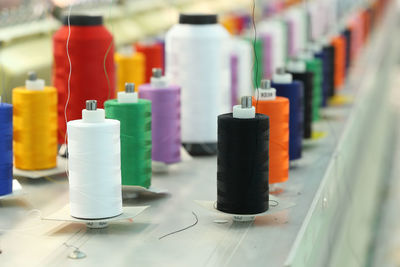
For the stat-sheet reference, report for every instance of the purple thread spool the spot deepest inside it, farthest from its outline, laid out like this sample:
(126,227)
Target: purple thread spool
(166,122)
(234,79)
(267,55)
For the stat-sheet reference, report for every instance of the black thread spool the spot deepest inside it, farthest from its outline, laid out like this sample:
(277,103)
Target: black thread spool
(242,175)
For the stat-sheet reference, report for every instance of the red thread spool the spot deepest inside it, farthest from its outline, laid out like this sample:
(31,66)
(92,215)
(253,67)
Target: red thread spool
(88,44)
(154,54)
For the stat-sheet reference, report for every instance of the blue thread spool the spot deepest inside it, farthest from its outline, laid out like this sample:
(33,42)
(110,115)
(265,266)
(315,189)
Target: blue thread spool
(293,90)
(6,152)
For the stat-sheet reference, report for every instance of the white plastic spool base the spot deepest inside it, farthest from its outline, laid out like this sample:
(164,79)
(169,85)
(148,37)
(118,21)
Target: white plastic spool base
(276,206)
(17,191)
(36,174)
(63,215)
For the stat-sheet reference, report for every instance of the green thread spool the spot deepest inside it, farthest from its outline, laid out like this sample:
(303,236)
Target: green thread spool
(257,76)
(315,66)
(135,119)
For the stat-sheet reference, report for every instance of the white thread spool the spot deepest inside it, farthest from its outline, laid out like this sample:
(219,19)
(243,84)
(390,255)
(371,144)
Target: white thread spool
(94,165)
(198,61)
(244,53)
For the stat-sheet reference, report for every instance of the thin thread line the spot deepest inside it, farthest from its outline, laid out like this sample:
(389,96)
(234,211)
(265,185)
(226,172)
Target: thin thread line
(68,85)
(255,64)
(183,229)
(106,55)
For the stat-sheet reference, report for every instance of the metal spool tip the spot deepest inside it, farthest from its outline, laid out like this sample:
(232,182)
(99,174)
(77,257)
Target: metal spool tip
(265,84)
(91,104)
(32,76)
(157,72)
(281,70)
(246,102)
(129,87)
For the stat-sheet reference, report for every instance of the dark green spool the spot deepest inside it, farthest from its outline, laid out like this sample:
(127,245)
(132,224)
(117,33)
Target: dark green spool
(135,119)
(315,66)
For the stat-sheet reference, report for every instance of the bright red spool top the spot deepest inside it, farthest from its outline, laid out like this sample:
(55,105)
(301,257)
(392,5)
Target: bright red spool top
(154,54)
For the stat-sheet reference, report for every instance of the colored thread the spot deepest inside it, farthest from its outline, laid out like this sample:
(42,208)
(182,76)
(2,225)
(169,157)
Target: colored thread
(154,55)
(166,128)
(130,69)
(257,59)
(347,35)
(330,50)
(242,175)
(35,128)
(277,111)
(268,56)
(323,57)
(135,119)
(306,78)
(234,60)
(88,43)
(294,92)
(6,148)
(339,44)
(197,62)
(94,165)
(314,65)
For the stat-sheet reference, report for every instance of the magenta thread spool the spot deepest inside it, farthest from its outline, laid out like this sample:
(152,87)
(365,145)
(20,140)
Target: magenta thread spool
(166,125)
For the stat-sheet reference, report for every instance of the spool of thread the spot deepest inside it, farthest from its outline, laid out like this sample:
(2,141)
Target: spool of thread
(293,90)
(297,69)
(35,125)
(130,67)
(242,175)
(328,68)
(347,35)
(314,65)
(339,44)
(88,44)
(298,33)
(135,117)
(154,54)
(274,36)
(321,54)
(94,165)
(329,50)
(241,78)
(198,61)
(277,110)
(166,124)
(258,70)
(6,148)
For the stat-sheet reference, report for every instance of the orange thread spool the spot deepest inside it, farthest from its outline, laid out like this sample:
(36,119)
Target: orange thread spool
(278,112)
(339,43)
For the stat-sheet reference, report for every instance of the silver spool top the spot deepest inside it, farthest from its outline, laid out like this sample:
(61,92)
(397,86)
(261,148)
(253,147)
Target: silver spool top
(265,84)
(246,102)
(280,70)
(32,76)
(91,104)
(129,87)
(157,73)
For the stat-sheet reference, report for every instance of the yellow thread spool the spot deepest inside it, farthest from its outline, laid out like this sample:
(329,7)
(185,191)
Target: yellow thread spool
(35,128)
(130,69)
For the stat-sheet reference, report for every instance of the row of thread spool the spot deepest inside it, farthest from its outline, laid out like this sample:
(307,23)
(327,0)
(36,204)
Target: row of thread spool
(278,82)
